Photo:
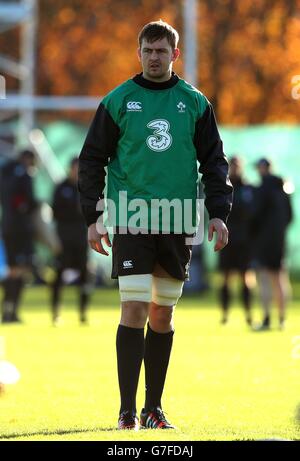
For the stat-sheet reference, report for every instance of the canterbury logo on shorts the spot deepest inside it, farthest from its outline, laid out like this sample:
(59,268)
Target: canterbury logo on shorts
(127,264)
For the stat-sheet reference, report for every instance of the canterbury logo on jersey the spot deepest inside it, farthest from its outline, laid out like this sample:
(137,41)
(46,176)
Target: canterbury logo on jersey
(135,106)
(127,264)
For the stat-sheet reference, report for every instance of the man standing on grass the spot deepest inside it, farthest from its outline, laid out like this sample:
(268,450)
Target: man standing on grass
(18,204)
(272,215)
(235,258)
(71,231)
(149,132)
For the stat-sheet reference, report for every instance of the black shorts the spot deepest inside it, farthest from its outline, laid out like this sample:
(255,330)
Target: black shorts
(235,257)
(269,253)
(138,254)
(272,260)
(18,249)
(73,256)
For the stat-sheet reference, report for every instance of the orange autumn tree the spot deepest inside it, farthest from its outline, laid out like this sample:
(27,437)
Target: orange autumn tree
(89,47)
(248,51)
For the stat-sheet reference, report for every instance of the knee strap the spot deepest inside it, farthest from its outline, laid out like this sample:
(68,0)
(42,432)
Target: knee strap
(166,291)
(136,287)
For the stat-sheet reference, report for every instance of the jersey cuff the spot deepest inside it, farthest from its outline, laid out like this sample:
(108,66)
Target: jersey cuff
(219,214)
(91,217)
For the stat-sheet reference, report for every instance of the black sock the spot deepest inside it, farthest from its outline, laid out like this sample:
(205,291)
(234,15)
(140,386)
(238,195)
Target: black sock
(9,288)
(266,321)
(83,302)
(130,353)
(84,293)
(157,354)
(246,297)
(8,298)
(18,285)
(55,293)
(225,298)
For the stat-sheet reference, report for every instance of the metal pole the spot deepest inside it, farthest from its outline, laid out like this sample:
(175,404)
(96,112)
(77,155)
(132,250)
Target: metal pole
(190,19)
(28,58)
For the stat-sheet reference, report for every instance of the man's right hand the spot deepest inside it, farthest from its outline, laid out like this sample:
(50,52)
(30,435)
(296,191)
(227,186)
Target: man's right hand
(95,239)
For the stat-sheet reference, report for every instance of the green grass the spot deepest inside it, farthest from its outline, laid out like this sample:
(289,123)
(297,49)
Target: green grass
(224,382)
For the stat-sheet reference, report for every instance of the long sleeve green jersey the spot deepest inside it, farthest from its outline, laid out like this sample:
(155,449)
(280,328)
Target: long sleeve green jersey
(150,136)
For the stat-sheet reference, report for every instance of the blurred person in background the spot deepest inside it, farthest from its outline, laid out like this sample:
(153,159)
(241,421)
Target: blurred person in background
(235,257)
(72,232)
(18,205)
(272,215)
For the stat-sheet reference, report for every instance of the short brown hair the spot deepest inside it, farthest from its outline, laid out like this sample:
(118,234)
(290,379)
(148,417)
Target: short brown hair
(158,30)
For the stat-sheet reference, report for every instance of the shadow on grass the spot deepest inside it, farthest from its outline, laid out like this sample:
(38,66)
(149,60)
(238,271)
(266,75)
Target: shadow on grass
(15,435)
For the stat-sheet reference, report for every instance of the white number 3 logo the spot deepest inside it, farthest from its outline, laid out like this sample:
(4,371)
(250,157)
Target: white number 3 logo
(161,139)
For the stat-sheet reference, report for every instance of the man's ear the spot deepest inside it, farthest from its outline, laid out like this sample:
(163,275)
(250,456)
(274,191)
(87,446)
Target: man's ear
(139,54)
(175,54)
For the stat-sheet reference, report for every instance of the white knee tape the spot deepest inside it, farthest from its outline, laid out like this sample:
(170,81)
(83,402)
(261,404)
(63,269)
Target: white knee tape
(136,287)
(166,291)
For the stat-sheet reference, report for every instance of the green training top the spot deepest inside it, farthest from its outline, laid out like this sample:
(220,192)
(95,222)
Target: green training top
(150,136)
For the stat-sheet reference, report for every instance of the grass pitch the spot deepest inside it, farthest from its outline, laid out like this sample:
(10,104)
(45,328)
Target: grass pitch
(224,382)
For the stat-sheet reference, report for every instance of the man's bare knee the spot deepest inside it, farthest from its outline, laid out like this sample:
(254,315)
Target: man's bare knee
(161,318)
(134,314)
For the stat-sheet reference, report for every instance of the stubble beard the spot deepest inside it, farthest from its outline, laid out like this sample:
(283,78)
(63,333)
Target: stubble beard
(157,74)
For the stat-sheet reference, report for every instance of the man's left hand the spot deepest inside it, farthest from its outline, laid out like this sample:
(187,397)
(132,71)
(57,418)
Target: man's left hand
(218,226)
